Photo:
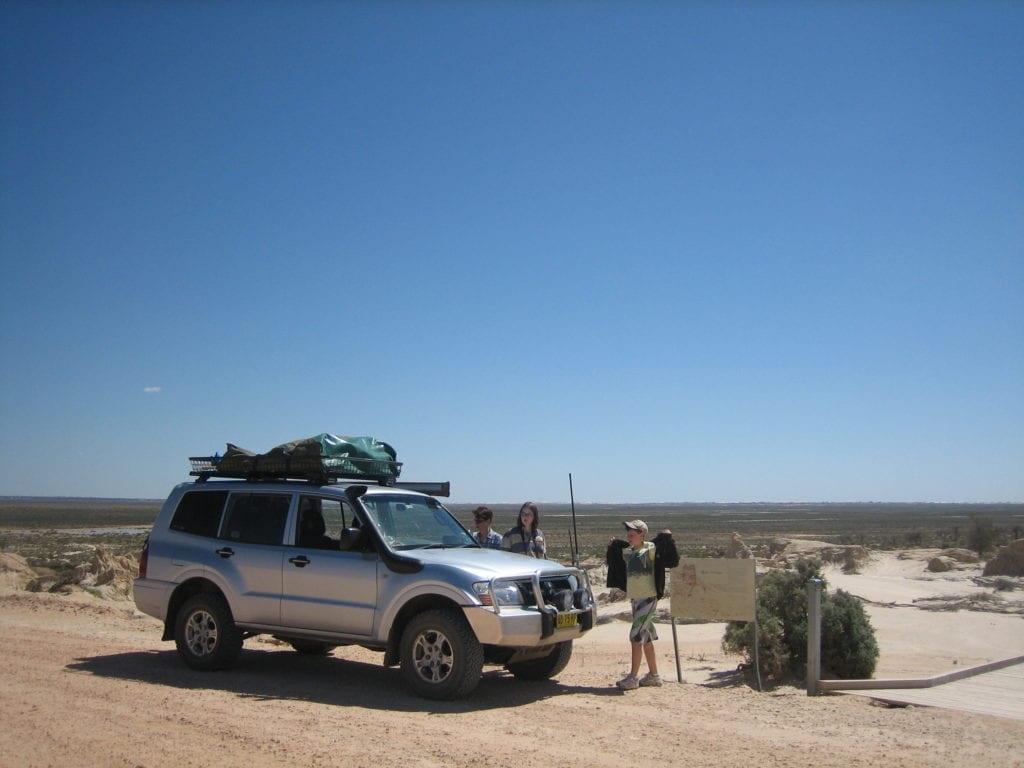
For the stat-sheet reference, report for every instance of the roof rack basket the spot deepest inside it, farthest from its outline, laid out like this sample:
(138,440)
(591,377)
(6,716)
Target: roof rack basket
(321,470)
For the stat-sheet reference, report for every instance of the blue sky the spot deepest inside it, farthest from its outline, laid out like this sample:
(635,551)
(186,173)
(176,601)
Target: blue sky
(746,251)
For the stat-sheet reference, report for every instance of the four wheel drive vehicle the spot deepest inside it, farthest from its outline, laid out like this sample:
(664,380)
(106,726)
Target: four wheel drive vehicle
(322,564)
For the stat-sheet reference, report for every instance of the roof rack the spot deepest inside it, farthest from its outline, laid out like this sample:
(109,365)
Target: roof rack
(322,471)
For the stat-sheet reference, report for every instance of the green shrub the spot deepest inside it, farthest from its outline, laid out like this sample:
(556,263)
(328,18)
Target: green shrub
(848,647)
(982,535)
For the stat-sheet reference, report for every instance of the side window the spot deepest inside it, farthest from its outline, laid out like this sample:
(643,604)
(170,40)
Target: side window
(321,521)
(256,518)
(198,512)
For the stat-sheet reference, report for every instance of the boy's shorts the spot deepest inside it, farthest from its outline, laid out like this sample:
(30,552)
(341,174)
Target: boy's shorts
(642,629)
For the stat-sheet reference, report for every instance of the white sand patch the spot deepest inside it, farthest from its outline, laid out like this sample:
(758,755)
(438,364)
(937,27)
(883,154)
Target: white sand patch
(904,579)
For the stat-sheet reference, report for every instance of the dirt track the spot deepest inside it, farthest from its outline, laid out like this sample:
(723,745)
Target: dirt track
(89,683)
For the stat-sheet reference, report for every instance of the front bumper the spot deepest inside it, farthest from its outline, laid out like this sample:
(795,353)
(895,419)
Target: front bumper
(526,627)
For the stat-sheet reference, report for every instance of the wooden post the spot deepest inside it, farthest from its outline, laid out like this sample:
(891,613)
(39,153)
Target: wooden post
(757,642)
(813,636)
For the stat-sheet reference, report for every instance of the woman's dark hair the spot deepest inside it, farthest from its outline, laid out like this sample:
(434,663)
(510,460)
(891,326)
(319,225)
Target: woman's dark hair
(484,513)
(536,515)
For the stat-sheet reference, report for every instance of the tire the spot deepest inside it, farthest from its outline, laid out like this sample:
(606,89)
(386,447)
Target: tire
(546,667)
(205,633)
(441,657)
(311,647)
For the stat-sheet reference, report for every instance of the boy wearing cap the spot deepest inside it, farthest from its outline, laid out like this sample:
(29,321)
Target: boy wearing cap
(638,567)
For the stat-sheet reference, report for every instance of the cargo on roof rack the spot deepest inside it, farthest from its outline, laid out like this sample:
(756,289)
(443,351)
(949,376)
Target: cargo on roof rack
(321,457)
(205,467)
(321,470)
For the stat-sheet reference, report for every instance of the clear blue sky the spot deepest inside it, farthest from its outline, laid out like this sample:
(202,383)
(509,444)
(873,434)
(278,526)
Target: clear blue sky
(694,251)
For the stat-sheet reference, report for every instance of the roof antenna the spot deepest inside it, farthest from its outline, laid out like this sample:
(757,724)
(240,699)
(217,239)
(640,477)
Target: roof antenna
(575,538)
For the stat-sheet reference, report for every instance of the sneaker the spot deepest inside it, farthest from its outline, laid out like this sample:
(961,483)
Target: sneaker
(628,683)
(651,678)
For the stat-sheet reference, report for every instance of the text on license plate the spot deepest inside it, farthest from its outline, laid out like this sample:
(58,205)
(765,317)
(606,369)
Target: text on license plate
(564,620)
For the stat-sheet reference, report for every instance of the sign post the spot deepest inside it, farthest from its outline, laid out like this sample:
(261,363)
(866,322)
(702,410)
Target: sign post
(675,646)
(813,636)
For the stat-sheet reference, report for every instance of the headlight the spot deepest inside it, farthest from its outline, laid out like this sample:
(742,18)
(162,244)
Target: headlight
(503,593)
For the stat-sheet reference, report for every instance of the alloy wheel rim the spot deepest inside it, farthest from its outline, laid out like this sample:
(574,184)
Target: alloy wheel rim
(433,656)
(201,633)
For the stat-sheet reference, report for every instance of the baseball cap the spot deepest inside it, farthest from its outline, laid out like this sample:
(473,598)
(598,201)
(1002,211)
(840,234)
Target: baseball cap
(637,525)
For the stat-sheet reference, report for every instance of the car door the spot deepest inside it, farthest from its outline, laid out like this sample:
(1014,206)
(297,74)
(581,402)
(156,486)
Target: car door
(189,547)
(325,588)
(251,553)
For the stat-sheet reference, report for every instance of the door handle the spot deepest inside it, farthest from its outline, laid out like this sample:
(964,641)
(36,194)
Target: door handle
(299,562)
(225,552)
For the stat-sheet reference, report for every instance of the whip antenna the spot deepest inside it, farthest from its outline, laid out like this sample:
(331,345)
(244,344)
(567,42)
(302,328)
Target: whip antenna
(575,536)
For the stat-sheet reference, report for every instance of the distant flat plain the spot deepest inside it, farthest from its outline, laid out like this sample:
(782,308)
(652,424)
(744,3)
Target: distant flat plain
(46,528)
(706,528)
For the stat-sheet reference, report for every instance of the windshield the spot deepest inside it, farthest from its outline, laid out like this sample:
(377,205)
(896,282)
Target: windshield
(415,522)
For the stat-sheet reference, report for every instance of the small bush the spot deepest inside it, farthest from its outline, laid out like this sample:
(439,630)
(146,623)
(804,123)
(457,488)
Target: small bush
(982,535)
(849,649)
(773,657)
(1004,584)
(848,646)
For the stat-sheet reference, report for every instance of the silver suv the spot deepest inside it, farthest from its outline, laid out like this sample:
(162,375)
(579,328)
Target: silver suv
(321,564)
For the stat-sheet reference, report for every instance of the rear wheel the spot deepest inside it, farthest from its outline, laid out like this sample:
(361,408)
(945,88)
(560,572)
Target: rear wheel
(205,633)
(545,667)
(441,657)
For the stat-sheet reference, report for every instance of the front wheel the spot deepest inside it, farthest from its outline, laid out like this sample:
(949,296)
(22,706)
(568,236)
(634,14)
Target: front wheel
(441,657)
(205,633)
(545,667)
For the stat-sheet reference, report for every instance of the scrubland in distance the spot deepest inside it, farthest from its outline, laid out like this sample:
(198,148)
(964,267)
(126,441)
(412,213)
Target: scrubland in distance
(58,533)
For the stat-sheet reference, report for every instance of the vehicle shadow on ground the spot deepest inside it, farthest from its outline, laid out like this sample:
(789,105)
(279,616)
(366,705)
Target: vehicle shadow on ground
(284,675)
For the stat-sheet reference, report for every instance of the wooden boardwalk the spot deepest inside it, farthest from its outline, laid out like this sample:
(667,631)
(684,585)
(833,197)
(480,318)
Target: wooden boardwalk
(999,692)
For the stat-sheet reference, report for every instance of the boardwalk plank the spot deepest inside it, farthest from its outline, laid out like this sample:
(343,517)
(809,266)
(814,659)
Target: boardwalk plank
(999,694)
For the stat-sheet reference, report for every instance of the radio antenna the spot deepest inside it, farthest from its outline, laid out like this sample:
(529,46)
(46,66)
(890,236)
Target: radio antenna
(575,535)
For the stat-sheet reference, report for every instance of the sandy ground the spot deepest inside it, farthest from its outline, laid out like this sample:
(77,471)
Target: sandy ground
(87,682)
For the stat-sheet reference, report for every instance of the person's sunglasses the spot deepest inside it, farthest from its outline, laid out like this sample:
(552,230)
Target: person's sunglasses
(481,518)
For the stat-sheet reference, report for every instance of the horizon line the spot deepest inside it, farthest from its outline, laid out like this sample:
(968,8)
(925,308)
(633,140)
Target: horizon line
(580,503)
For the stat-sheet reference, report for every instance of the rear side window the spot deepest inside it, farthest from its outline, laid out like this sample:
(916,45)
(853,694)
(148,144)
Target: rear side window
(256,518)
(199,513)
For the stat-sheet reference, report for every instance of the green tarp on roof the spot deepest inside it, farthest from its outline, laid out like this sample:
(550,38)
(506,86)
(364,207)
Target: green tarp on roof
(323,453)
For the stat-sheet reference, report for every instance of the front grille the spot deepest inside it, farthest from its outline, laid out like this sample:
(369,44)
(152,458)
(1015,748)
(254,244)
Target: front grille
(559,592)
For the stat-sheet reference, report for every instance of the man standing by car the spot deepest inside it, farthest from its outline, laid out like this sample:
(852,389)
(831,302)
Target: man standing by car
(484,535)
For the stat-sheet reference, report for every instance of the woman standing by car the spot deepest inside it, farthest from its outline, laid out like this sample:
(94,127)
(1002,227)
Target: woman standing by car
(526,537)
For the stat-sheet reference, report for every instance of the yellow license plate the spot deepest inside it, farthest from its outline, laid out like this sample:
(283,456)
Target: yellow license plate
(564,620)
